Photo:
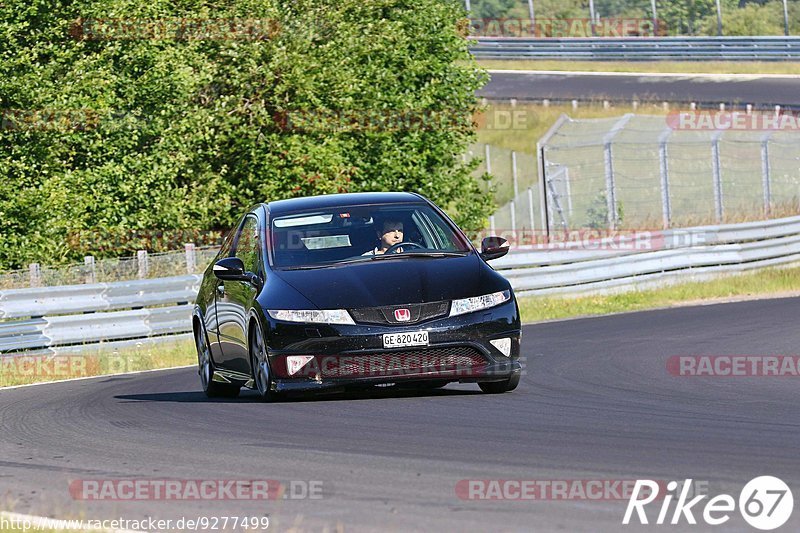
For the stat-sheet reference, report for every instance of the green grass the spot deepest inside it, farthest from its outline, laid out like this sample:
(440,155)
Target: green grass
(24,370)
(498,128)
(762,283)
(683,67)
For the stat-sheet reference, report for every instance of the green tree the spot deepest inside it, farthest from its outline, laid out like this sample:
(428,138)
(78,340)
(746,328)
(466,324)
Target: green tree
(182,133)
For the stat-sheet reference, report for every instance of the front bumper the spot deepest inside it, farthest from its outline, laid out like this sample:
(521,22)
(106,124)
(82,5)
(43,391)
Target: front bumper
(459,350)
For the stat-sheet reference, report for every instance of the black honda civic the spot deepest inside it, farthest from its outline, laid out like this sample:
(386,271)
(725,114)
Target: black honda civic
(354,290)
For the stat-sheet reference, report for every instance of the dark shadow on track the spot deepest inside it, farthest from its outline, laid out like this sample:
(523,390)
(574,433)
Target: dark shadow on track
(251,396)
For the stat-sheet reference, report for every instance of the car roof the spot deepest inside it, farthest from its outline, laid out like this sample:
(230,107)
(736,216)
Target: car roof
(326,201)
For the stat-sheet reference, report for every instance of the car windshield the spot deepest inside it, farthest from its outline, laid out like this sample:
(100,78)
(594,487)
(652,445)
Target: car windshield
(319,238)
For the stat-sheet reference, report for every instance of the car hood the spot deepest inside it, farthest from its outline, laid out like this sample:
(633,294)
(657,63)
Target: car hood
(390,282)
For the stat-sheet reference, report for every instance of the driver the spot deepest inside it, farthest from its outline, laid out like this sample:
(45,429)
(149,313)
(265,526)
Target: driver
(389,233)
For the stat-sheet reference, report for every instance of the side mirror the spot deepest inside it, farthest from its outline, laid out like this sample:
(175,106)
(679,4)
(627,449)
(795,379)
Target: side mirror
(230,269)
(493,248)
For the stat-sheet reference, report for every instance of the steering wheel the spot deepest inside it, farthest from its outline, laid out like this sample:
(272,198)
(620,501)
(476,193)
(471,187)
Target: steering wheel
(393,248)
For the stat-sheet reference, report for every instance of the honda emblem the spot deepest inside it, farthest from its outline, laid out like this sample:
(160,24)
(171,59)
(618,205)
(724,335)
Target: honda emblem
(402,315)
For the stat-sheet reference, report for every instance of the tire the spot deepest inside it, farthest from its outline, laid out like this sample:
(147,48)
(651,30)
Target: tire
(205,368)
(499,387)
(262,374)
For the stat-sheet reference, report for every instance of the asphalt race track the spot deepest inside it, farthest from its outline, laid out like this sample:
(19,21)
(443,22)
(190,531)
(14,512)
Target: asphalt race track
(735,89)
(597,403)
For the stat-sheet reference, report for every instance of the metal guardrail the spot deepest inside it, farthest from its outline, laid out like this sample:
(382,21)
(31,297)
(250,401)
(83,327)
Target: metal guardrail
(70,299)
(81,318)
(64,319)
(640,48)
(682,255)
(41,333)
(568,251)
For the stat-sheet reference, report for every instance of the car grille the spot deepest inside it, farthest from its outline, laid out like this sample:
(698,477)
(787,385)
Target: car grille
(455,360)
(385,315)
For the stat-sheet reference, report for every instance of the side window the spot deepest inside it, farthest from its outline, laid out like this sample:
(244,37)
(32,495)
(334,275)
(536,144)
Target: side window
(227,243)
(247,248)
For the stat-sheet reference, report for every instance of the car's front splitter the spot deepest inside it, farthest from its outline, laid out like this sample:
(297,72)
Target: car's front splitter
(497,371)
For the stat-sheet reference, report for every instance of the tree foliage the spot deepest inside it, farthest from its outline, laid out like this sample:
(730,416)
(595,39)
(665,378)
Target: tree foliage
(118,135)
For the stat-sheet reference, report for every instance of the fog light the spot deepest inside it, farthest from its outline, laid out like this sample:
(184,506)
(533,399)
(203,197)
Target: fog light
(504,345)
(295,362)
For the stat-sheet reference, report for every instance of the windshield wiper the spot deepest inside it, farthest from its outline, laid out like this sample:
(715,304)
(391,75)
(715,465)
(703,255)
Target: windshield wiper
(327,265)
(418,254)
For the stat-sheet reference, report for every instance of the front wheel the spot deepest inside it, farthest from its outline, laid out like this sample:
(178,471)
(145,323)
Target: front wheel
(213,389)
(260,363)
(499,387)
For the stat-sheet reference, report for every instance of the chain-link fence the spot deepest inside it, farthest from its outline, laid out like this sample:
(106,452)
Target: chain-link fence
(191,260)
(549,18)
(682,170)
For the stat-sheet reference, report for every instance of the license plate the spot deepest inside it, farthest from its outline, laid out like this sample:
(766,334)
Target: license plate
(401,340)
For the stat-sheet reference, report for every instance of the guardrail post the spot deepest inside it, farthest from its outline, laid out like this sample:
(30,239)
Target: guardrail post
(514,173)
(666,207)
(191,257)
(143,264)
(90,273)
(766,171)
(36,274)
(717,170)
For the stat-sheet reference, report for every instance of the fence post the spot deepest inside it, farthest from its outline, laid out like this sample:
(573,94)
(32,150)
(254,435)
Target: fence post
(513,209)
(487,155)
(568,190)
(514,173)
(785,18)
(541,159)
(766,171)
(191,257)
(663,164)
(542,168)
(36,274)
(143,264)
(611,200)
(90,276)
(530,214)
(717,169)
(611,188)
(491,225)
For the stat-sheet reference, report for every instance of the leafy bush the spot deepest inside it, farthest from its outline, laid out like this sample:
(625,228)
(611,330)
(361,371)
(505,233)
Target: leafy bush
(184,133)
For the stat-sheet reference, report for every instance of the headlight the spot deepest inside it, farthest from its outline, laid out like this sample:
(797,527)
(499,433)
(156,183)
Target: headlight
(334,316)
(468,305)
